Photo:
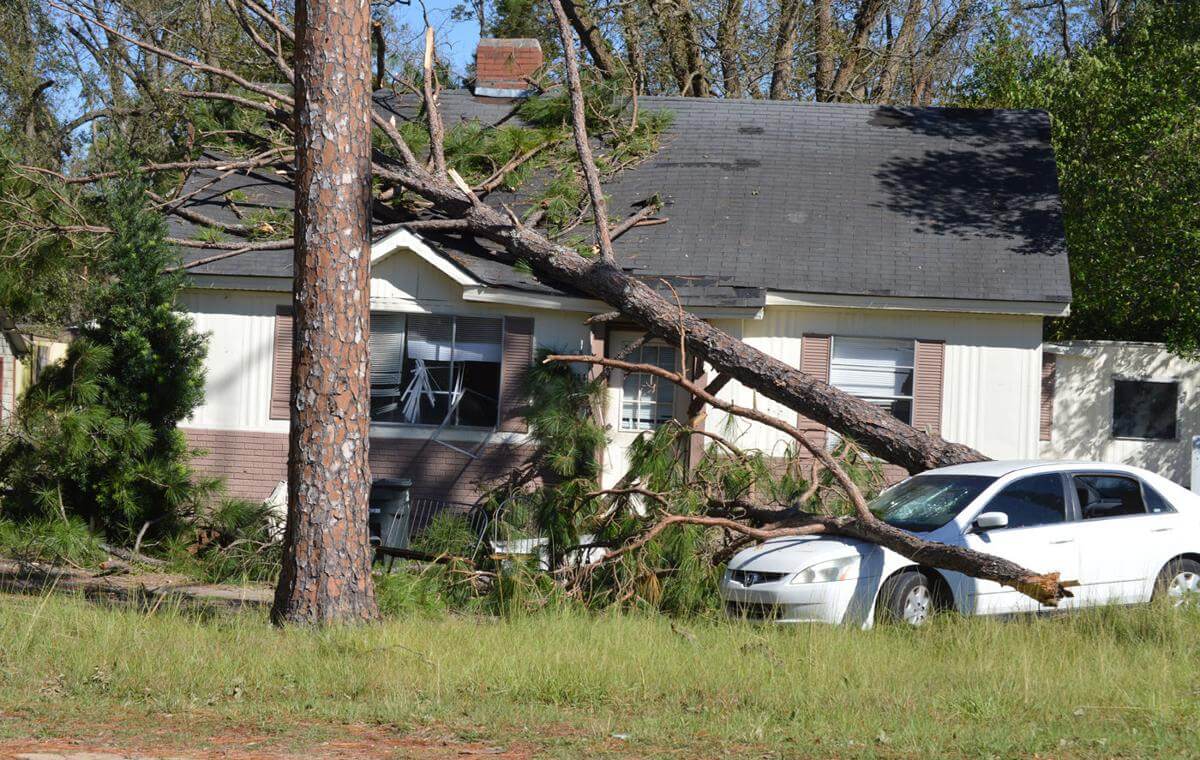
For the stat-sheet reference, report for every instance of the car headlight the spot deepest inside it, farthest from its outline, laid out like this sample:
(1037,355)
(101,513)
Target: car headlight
(824,572)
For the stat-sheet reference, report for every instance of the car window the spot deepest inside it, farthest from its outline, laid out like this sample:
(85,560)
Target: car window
(1155,503)
(1108,496)
(1038,500)
(927,502)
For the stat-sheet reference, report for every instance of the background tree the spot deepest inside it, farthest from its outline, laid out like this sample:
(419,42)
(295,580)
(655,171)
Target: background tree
(1126,135)
(95,438)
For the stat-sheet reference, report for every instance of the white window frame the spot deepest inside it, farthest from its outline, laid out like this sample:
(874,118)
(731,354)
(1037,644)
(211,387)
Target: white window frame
(911,398)
(655,403)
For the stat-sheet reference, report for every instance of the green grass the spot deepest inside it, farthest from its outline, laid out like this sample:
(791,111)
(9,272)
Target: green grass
(1115,682)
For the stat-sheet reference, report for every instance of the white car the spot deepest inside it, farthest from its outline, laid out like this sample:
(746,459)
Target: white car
(1125,534)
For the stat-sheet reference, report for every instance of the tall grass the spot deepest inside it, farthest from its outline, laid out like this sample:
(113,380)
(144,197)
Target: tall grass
(1111,682)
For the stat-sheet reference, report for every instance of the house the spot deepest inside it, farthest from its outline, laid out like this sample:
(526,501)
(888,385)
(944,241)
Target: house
(25,350)
(906,255)
(1132,403)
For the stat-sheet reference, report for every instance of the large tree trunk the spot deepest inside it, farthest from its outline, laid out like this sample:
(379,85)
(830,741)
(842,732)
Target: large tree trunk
(898,52)
(585,26)
(678,30)
(823,32)
(632,33)
(864,19)
(783,50)
(729,47)
(326,575)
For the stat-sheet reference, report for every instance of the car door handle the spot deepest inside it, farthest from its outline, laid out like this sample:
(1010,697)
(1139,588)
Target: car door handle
(1161,530)
(1063,541)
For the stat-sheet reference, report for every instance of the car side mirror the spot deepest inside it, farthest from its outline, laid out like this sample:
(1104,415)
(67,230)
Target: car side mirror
(989,520)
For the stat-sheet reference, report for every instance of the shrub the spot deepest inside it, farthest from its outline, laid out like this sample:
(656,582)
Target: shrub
(96,437)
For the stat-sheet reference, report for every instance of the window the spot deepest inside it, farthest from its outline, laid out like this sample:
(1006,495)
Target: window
(1108,496)
(1038,500)
(1155,503)
(648,401)
(1145,409)
(878,371)
(429,369)
(927,502)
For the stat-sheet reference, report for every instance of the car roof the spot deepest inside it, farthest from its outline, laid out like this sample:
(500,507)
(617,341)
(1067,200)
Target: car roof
(1002,467)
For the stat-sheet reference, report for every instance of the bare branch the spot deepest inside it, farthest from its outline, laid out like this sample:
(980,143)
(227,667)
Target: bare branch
(579,128)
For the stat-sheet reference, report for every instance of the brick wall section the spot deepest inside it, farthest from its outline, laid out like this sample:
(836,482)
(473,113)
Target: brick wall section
(438,472)
(506,64)
(253,463)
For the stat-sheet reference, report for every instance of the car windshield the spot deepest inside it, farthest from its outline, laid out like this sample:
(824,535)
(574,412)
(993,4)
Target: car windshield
(928,502)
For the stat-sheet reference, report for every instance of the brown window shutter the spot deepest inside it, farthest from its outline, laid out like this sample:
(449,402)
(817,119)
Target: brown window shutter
(814,360)
(928,364)
(1046,422)
(518,355)
(281,365)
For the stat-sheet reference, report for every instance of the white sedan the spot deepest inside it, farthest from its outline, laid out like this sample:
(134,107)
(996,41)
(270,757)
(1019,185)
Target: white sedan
(1125,534)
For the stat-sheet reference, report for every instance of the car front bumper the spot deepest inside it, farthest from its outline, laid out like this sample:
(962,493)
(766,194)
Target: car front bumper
(834,602)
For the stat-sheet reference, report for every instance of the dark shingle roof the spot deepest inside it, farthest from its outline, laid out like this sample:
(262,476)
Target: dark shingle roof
(821,198)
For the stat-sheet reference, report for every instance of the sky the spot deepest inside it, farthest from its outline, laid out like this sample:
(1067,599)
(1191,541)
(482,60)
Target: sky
(456,40)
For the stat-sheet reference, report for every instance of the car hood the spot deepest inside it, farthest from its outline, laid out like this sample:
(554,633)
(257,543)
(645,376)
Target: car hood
(789,555)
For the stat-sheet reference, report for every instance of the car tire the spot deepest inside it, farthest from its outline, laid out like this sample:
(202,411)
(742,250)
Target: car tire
(907,598)
(1179,583)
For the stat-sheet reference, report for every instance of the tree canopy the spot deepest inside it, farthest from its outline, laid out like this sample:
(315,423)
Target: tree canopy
(1126,131)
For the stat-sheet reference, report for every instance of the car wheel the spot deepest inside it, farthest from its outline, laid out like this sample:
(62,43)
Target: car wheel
(907,598)
(1179,583)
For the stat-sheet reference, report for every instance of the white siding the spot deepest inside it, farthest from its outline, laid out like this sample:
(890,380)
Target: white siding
(241,326)
(1083,405)
(992,370)
(241,339)
(8,365)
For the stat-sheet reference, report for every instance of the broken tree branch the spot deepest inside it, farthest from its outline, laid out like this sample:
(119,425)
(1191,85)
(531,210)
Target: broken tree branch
(1044,587)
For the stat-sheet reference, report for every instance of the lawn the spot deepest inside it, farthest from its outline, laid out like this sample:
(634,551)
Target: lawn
(563,684)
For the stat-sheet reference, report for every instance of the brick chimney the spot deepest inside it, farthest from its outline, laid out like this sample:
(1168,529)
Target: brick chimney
(502,67)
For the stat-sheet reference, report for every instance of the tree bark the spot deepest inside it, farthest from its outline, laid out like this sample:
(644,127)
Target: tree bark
(729,47)
(783,50)
(589,34)
(823,31)
(682,40)
(900,49)
(634,54)
(326,574)
(864,18)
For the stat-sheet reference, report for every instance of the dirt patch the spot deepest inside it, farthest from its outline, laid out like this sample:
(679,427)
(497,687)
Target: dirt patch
(193,737)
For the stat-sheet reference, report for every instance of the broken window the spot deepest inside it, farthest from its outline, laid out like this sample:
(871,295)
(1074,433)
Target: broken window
(426,369)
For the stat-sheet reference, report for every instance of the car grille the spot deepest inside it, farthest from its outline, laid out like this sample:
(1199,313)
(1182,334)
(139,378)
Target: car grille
(750,578)
(752,610)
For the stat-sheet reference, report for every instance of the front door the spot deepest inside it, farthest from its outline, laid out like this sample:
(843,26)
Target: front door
(1039,536)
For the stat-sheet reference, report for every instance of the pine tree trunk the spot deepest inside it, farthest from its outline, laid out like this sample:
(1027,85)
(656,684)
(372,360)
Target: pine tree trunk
(326,575)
